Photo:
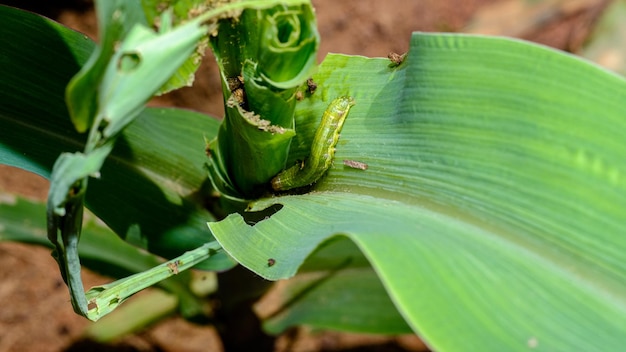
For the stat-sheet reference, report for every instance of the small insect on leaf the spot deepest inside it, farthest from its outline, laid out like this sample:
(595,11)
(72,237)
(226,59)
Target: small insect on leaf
(271,262)
(396,59)
(355,164)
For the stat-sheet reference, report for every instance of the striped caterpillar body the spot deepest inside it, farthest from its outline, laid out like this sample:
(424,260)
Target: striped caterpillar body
(322,149)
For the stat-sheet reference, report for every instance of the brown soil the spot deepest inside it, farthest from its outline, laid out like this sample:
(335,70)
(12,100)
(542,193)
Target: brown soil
(36,314)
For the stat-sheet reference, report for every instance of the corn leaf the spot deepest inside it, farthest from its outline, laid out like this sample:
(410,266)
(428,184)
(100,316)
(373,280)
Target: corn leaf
(494,200)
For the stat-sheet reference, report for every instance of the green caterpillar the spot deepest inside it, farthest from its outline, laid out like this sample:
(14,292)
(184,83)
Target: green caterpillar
(322,149)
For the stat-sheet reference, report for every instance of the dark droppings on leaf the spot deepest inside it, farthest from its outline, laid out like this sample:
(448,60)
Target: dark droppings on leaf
(311,85)
(271,262)
(256,120)
(263,125)
(235,85)
(240,96)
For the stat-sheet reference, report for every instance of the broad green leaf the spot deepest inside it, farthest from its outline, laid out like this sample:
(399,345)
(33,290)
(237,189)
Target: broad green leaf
(494,200)
(39,57)
(349,300)
(336,289)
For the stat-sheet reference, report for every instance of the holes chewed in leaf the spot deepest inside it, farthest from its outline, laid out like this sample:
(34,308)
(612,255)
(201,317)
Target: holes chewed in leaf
(128,62)
(253,217)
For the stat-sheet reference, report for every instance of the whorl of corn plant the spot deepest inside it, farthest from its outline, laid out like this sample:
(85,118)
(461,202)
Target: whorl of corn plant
(264,56)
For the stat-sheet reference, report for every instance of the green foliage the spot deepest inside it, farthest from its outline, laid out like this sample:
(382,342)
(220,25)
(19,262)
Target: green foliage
(108,93)
(159,210)
(264,55)
(336,288)
(490,211)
